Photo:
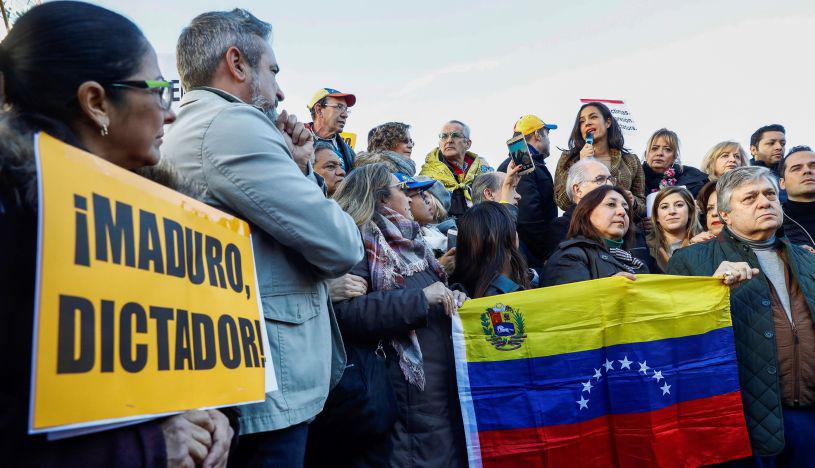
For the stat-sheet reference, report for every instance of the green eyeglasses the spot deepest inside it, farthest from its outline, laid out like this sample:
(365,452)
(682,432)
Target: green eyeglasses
(162,88)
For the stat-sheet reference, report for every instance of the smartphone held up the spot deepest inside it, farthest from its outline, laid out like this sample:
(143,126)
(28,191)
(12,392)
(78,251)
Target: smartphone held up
(519,152)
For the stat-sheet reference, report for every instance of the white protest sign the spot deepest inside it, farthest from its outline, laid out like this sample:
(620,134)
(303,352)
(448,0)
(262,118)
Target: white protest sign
(620,112)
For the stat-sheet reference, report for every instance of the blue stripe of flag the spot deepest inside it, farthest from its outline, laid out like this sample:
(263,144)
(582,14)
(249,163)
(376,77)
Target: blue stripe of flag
(546,391)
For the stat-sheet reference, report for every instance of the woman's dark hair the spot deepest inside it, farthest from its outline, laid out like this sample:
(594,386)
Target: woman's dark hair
(57,46)
(387,136)
(701,202)
(485,245)
(614,134)
(581,219)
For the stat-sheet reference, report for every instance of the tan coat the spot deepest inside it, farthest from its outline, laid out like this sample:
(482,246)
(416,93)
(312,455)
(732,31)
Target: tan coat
(625,167)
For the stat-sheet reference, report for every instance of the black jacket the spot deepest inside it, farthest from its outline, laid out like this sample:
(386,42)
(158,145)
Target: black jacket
(536,208)
(690,177)
(429,431)
(799,222)
(557,232)
(772,167)
(582,259)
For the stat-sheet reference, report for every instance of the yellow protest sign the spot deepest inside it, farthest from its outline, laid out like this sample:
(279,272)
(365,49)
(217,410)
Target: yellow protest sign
(350,138)
(146,299)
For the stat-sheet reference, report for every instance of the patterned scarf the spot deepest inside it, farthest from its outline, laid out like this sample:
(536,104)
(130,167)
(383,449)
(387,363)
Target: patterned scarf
(630,263)
(395,249)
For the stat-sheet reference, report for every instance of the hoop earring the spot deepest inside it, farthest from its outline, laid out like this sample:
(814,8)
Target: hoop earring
(104,130)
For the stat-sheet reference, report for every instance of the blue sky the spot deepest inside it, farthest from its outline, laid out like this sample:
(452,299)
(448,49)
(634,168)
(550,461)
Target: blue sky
(709,70)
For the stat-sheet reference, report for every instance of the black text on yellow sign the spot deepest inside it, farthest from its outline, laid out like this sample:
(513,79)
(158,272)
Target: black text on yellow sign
(146,299)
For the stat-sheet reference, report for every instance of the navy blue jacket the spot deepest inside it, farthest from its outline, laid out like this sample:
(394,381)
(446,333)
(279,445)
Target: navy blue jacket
(536,209)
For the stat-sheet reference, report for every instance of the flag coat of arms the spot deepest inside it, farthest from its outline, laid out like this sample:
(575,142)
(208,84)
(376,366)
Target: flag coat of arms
(608,372)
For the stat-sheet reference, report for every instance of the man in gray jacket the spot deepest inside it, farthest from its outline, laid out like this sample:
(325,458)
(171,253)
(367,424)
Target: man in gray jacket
(253,166)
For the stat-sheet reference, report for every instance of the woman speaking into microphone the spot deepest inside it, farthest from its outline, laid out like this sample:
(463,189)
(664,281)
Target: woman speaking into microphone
(596,134)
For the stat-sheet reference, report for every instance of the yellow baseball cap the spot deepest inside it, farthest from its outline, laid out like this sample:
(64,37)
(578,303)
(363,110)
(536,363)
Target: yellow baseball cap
(350,99)
(529,123)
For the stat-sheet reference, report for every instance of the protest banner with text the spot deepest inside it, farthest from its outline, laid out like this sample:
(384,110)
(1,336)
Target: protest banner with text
(146,299)
(619,109)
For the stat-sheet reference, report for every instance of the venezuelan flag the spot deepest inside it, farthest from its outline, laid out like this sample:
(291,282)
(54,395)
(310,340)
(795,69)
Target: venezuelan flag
(601,373)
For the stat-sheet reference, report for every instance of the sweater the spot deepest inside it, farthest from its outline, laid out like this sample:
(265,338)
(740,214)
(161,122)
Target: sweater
(799,222)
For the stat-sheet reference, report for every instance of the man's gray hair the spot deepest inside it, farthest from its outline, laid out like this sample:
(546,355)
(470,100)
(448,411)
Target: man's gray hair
(737,177)
(578,174)
(487,180)
(204,42)
(464,127)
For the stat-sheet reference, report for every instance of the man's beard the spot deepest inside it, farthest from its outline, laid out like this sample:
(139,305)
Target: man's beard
(260,101)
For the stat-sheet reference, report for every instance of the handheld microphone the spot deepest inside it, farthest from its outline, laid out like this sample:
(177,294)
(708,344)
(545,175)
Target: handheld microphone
(590,138)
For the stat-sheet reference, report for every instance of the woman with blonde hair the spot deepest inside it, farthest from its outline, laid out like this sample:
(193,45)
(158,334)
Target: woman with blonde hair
(723,157)
(663,165)
(676,224)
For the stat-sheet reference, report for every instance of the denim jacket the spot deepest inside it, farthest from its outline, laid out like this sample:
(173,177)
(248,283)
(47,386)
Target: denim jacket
(299,237)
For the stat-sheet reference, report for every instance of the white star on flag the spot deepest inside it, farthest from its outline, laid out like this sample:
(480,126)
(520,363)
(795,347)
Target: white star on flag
(584,403)
(626,364)
(609,365)
(597,374)
(644,367)
(666,389)
(658,375)
(587,386)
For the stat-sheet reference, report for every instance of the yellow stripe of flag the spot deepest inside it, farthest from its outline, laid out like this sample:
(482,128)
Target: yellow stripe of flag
(600,313)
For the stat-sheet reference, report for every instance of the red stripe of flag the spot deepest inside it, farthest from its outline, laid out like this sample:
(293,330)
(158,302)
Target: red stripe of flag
(692,433)
(610,101)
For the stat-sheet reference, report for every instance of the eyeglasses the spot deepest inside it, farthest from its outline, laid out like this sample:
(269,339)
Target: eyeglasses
(408,142)
(451,135)
(601,180)
(340,108)
(162,88)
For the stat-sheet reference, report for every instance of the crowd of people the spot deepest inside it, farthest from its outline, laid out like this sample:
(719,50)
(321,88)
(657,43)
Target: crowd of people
(362,259)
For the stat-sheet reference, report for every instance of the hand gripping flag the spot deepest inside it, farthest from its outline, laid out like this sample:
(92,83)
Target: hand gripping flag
(608,372)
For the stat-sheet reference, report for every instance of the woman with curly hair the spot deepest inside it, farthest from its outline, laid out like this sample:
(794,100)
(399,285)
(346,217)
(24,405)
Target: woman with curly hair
(389,143)
(391,136)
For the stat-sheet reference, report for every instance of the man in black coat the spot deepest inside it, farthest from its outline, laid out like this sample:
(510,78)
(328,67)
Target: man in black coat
(537,205)
(798,179)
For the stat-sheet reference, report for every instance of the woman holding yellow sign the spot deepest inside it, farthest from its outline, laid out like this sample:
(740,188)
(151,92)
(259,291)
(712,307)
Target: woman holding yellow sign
(89,77)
